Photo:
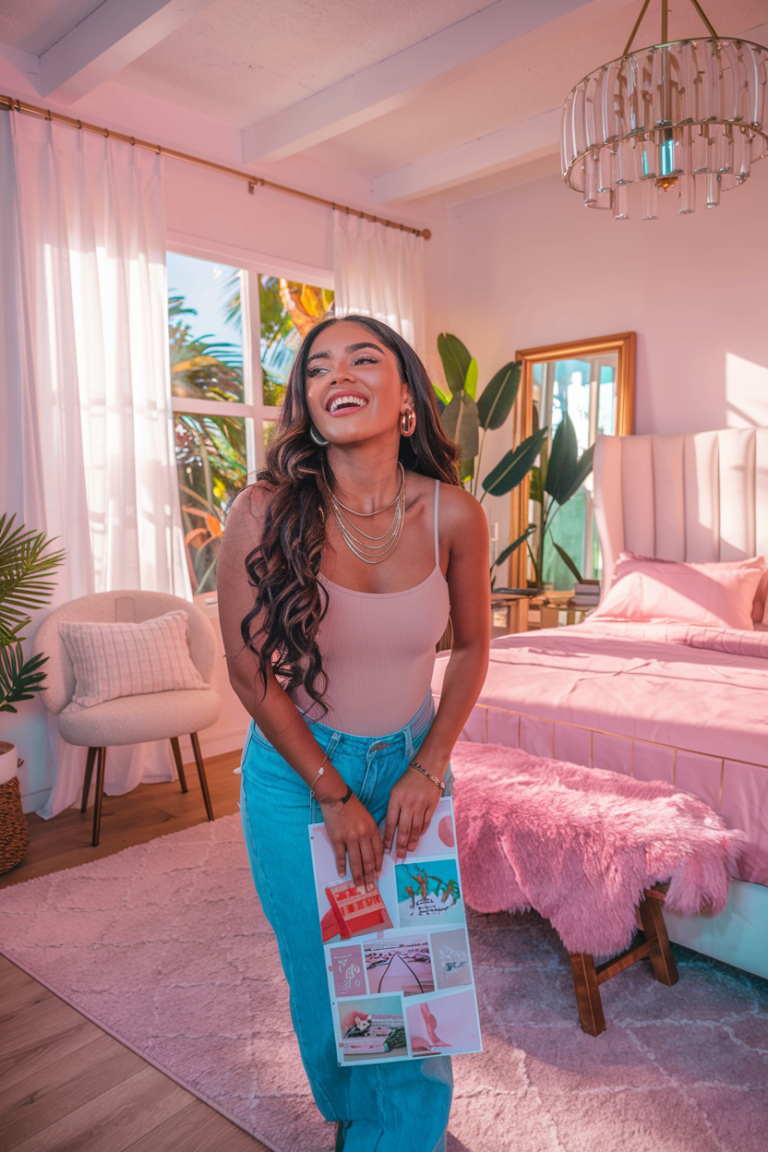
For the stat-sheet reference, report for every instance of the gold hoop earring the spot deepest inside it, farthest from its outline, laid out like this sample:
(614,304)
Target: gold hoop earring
(408,423)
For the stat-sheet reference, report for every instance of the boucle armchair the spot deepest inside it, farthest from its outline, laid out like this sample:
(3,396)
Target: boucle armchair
(129,719)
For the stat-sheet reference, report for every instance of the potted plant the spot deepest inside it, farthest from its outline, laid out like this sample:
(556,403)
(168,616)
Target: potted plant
(25,562)
(468,419)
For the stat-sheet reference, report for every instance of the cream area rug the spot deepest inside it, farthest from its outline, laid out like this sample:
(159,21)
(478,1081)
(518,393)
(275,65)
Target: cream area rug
(164,945)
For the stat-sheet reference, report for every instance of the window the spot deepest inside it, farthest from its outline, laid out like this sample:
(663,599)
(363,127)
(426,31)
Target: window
(233,335)
(585,388)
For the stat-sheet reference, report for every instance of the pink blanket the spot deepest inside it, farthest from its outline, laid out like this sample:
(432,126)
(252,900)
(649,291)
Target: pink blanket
(729,640)
(649,701)
(581,845)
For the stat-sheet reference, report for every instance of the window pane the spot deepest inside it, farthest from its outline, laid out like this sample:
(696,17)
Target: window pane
(288,311)
(211,463)
(269,428)
(568,532)
(571,394)
(586,390)
(606,415)
(205,329)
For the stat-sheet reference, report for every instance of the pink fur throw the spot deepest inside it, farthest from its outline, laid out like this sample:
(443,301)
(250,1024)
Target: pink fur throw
(581,844)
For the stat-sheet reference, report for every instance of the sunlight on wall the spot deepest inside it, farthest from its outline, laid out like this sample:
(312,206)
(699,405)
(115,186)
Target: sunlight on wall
(746,392)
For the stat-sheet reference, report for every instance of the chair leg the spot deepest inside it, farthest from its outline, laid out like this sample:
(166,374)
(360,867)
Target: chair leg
(179,764)
(587,990)
(99,797)
(201,773)
(652,920)
(88,774)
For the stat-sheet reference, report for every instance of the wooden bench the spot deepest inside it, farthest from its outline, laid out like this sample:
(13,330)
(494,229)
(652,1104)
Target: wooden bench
(588,976)
(584,847)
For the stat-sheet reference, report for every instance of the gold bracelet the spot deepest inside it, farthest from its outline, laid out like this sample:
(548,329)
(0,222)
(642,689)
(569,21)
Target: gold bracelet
(440,783)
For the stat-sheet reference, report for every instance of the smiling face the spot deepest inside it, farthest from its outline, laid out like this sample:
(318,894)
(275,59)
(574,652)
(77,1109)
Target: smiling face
(353,386)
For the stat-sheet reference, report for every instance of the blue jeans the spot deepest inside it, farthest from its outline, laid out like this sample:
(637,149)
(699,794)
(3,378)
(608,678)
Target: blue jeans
(400,1107)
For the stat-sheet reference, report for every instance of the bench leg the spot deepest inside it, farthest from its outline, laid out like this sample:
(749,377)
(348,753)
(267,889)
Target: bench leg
(201,773)
(654,928)
(179,763)
(87,780)
(587,993)
(101,761)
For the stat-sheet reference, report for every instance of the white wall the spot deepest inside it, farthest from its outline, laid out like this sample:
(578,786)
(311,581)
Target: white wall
(531,266)
(211,207)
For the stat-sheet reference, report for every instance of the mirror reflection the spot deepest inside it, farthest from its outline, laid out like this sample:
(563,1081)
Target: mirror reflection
(579,391)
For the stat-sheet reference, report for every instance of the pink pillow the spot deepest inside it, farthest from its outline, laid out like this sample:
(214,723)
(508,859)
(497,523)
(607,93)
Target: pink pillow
(716,595)
(760,606)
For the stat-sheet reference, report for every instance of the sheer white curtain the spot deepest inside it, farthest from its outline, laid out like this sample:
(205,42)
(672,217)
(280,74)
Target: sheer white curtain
(379,272)
(89,453)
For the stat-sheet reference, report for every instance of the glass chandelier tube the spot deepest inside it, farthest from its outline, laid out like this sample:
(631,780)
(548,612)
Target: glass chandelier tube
(713,189)
(621,202)
(650,198)
(663,116)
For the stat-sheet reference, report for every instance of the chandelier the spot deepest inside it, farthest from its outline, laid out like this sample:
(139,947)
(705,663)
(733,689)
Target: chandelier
(663,116)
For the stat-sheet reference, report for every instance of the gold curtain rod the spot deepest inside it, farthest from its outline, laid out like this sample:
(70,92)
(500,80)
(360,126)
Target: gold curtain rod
(11,104)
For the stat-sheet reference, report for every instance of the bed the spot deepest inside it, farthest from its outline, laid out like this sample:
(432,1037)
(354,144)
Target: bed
(659,700)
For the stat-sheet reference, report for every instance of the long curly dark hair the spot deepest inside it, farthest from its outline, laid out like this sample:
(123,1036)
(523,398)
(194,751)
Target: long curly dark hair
(284,567)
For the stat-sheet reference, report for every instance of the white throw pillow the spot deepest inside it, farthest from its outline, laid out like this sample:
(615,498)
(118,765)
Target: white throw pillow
(111,660)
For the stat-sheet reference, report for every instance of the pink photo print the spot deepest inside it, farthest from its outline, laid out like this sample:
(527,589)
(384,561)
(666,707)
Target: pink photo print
(444,1025)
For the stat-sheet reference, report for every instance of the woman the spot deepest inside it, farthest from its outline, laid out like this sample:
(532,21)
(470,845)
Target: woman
(336,575)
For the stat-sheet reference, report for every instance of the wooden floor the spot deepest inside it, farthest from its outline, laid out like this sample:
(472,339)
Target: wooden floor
(66,1086)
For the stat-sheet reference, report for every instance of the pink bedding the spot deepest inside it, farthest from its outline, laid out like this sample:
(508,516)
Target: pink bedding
(694,701)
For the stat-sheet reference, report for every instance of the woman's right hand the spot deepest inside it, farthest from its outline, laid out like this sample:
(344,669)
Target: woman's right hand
(353,833)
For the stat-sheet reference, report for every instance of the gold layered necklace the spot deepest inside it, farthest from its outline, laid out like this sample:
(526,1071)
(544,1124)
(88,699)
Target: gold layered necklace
(371,549)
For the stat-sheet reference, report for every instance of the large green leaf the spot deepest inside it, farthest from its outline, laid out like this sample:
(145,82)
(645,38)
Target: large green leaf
(19,679)
(543,465)
(470,380)
(563,459)
(461,423)
(515,465)
(583,469)
(534,491)
(499,395)
(24,563)
(455,358)
(443,397)
(510,548)
(566,559)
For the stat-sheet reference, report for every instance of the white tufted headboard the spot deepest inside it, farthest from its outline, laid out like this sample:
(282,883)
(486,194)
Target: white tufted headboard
(697,496)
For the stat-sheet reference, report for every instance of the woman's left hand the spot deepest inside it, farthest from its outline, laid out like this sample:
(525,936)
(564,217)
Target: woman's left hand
(412,803)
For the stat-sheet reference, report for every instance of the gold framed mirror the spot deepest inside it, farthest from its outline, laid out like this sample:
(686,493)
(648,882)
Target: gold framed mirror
(594,382)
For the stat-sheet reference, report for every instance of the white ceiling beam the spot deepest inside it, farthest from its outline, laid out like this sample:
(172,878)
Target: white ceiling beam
(519,144)
(496,32)
(113,36)
(16,65)
(758,34)
(529,140)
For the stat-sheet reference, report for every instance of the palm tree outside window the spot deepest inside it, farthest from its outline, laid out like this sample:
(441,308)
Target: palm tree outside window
(233,333)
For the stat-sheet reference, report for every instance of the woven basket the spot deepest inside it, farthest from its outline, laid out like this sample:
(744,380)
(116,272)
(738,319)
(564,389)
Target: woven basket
(14,834)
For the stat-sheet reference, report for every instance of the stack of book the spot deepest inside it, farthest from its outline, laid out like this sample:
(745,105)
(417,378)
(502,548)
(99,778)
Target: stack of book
(586,594)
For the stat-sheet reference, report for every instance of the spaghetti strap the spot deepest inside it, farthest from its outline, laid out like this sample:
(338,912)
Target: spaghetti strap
(437,541)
